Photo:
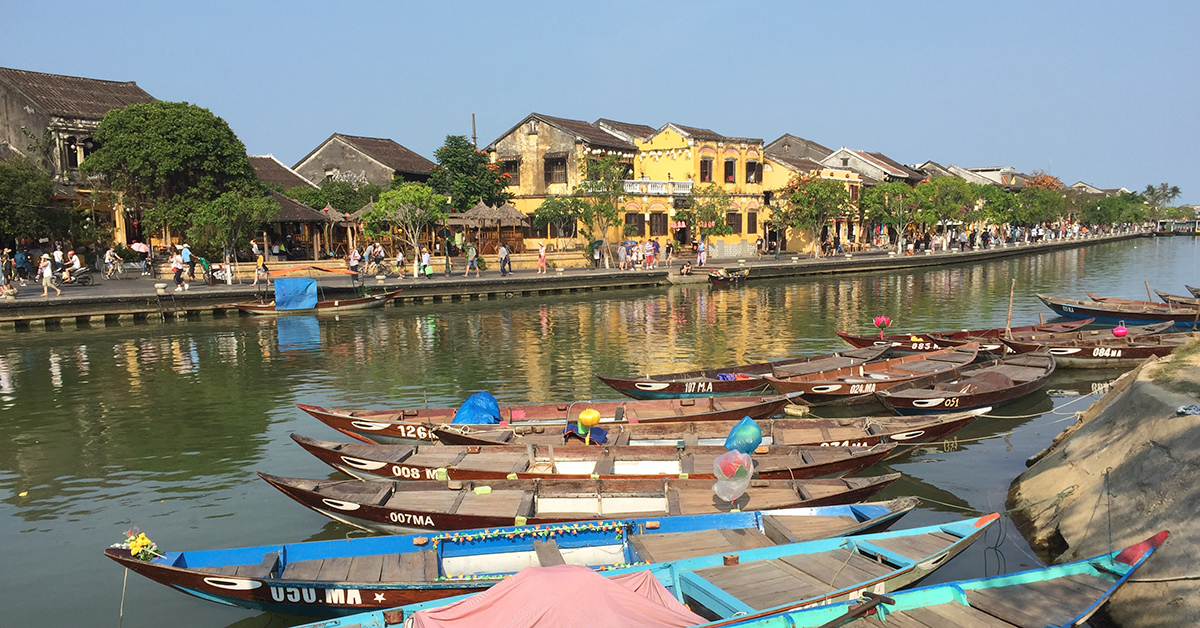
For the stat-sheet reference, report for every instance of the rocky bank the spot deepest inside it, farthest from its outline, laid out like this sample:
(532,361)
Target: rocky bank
(1126,469)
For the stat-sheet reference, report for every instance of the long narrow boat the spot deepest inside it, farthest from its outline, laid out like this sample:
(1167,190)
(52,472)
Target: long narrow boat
(1110,311)
(435,462)
(841,432)
(856,385)
(996,347)
(1057,595)
(1175,299)
(986,384)
(734,588)
(414,426)
(935,341)
(1104,353)
(326,578)
(397,507)
(732,380)
(331,306)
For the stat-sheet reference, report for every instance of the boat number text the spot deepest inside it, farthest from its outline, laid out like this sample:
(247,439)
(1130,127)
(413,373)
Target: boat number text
(847,443)
(413,473)
(861,388)
(1067,308)
(1106,352)
(410,520)
(697,387)
(316,596)
(924,346)
(417,432)
(951,402)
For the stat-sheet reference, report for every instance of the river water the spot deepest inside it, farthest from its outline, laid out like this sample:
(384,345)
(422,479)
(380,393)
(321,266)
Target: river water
(162,426)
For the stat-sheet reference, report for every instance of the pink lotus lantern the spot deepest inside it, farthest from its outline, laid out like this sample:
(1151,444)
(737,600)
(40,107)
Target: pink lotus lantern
(1120,331)
(882,322)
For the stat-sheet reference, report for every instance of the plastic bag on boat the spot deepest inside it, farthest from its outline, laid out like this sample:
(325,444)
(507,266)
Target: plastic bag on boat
(733,470)
(595,435)
(745,437)
(479,409)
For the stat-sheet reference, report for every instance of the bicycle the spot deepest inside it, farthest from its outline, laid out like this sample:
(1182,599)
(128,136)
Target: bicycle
(379,268)
(115,270)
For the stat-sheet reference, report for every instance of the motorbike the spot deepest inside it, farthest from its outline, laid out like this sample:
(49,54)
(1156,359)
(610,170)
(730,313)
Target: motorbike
(79,277)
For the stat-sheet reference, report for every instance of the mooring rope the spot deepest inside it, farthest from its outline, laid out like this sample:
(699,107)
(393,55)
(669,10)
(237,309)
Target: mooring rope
(121,615)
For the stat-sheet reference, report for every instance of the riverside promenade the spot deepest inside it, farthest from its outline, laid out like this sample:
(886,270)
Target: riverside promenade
(138,300)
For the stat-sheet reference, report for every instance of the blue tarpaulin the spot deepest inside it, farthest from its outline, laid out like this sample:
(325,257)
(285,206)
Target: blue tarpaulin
(296,293)
(479,409)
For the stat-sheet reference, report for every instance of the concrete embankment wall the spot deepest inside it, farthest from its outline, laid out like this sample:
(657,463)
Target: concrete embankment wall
(1128,468)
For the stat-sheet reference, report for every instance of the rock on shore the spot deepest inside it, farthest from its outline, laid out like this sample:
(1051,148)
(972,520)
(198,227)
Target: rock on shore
(1128,468)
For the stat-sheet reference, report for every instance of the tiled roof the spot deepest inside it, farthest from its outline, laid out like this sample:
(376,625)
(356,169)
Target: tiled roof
(933,169)
(798,164)
(640,131)
(899,168)
(295,211)
(270,171)
(588,132)
(788,143)
(72,96)
(389,153)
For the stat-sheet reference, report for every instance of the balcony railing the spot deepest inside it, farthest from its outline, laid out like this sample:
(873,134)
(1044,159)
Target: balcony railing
(657,188)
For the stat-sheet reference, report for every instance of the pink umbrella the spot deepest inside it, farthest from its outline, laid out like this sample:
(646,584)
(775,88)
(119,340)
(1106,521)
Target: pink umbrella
(140,247)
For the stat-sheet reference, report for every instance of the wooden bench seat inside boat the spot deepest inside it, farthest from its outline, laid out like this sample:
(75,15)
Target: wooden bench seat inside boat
(265,569)
(433,458)
(917,547)
(1038,603)
(783,529)
(677,545)
(815,367)
(548,554)
(419,566)
(763,584)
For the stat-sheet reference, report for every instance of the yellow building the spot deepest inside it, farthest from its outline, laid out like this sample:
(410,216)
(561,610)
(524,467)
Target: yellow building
(779,169)
(678,160)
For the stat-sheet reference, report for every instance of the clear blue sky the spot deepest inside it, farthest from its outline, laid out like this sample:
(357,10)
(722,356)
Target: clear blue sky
(1106,92)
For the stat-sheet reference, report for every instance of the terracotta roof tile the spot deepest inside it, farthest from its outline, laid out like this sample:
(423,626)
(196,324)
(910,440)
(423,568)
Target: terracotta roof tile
(270,171)
(295,211)
(73,96)
(588,132)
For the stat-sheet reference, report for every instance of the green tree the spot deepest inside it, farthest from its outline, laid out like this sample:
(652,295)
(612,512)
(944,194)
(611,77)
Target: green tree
(601,191)
(229,219)
(1038,205)
(893,203)
(1160,197)
(26,200)
(942,200)
(560,213)
(409,208)
(811,202)
(168,159)
(708,212)
(466,176)
(343,196)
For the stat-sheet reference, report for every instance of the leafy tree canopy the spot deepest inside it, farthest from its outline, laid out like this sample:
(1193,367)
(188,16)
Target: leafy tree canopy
(893,203)
(1036,205)
(409,208)
(343,196)
(25,195)
(231,218)
(1160,197)
(709,211)
(466,176)
(560,213)
(811,202)
(169,159)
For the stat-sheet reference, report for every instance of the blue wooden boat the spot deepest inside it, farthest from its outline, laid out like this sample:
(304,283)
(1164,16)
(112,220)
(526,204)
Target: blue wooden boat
(327,578)
(1058,595)
(758,583)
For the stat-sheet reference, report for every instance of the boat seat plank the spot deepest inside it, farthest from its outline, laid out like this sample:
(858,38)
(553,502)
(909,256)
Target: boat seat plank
(264,569)
(687,464)
(838,568)
(496,503)
(919,546)
(1036,605)
(622,439)
(676,545)
(604,464)
(228,570)
(438,501)
(492,461)
(370,493)
(938,616)
(762,584)
(408,567)
(548,554)
(335,569)
(784,529)
(302,569)
(432,457)
(746,538)
(366,568)
(774,498)
(1018,373)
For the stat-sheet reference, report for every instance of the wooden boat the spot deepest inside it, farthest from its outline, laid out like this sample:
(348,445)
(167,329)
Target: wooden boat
(413,426)
(936,341)
(1175,299)
(855,385)
(436,462)
(906,431)
(1111,311)
(355,574)
(396,507)
(332,306)
(1103,353)
(995,347)
(1194,290)
(986,384)
(727,276)
(1058,595)
(733,380)
(734,588)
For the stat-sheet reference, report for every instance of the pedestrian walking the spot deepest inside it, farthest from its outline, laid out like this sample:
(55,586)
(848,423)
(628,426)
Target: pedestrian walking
(21,259)
(426,271)
(701,253)
(400,260)
(670,251)
(352,260)
(260,267)
(190,261)
(472,259)
(177,266)
(541,258)
(46,272)
(758,246)
(505,267)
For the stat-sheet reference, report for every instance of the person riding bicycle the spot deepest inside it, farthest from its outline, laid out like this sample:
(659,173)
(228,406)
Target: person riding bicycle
(111,259)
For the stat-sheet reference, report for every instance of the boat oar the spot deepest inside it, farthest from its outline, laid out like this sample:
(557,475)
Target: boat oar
(860,610)
(1008,321)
